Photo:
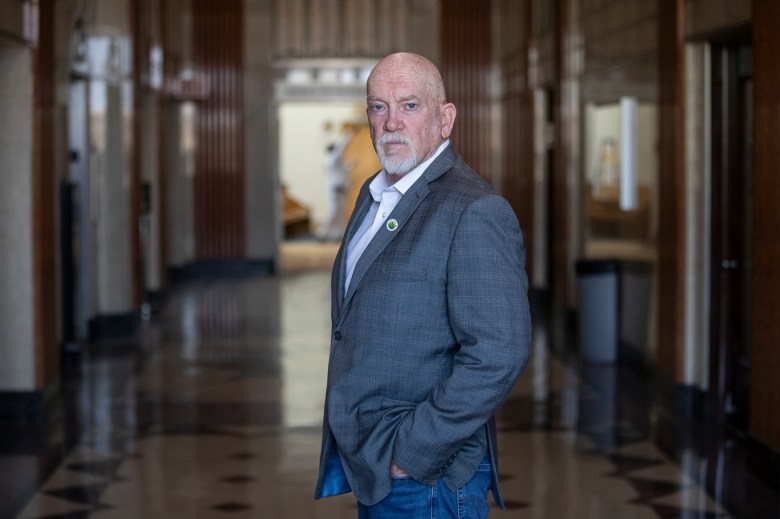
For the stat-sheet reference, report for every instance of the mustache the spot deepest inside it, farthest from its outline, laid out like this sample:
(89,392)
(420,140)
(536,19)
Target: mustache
(393,138)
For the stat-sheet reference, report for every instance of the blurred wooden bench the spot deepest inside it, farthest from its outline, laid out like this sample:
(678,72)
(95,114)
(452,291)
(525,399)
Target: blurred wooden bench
(295,215)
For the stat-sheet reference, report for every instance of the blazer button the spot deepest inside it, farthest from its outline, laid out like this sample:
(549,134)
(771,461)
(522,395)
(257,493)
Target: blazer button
(337,335)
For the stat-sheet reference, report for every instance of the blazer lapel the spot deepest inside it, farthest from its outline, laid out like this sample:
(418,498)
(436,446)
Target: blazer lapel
(401,214)
(384,236)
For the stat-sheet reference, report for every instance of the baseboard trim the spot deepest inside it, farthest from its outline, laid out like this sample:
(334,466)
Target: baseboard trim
(22,406)
(239,269)
(113,326)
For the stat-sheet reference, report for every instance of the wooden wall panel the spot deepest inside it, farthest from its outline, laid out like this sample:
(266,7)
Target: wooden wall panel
(620,39)
(360,35)
(466,70)
(517,150)
(290,28)
(706,18)
(219,162)
(563,203)
(12,20)
(44,188)
(175,41)
(343,28)
(620,44)
(671,189)
(765,353)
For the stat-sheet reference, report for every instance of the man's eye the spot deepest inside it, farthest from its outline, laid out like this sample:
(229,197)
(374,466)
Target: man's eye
(376,108)
(411,106)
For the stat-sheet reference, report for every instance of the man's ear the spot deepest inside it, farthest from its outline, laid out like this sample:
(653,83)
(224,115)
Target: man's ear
(448,114)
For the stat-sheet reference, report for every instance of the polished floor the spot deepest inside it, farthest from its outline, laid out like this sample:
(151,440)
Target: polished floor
(214,411)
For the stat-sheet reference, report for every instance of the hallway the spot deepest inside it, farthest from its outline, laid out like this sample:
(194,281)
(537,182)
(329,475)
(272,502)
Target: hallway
(214,410)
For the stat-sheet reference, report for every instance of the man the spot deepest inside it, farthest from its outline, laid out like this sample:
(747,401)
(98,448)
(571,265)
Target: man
(431,325)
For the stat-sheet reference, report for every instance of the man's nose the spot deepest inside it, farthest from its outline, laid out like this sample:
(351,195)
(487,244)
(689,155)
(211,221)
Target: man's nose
(393,122)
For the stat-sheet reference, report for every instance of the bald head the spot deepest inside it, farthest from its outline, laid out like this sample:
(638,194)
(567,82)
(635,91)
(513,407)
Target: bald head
(416,68)
(408,113)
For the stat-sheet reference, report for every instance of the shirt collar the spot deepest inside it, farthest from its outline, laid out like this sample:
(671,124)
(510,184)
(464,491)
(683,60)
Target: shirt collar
(379,184)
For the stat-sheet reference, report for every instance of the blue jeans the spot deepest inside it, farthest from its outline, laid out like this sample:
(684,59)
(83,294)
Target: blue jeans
(412,500)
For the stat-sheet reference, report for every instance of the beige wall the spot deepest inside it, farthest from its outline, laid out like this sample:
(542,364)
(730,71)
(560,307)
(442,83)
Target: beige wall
(17,369)
(262,202)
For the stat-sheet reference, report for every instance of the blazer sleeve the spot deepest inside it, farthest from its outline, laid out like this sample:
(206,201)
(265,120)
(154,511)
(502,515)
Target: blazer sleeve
(487,300)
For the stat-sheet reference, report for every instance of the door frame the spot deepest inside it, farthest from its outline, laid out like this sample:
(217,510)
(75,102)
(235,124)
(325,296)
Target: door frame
(729,370)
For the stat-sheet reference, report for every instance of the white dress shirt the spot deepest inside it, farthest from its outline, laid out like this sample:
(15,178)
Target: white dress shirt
(386,197)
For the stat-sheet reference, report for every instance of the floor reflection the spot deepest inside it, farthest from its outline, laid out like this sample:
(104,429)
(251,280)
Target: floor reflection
(215,410)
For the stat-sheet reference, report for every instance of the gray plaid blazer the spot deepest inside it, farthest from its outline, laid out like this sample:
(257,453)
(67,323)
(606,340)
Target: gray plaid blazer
(428,340)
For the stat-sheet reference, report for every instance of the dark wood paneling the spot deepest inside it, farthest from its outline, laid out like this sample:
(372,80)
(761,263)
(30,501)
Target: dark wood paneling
(765,353)
(620,40)
(671,189)
(219,167)
(465,68)
(12,20)
(44,204)
(343,28)
(174,40)
(711,18)
(517,124)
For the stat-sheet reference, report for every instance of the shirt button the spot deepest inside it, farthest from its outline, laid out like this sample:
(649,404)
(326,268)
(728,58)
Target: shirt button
(337,335)
(384,215)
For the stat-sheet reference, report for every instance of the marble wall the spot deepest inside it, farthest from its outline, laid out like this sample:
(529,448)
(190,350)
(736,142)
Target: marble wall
(17,336)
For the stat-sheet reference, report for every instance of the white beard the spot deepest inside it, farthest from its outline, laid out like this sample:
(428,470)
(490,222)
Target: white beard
(391,164)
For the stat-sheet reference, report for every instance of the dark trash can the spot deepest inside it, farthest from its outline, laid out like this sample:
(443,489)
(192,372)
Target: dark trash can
(636,281)
(598,316)
(613,307)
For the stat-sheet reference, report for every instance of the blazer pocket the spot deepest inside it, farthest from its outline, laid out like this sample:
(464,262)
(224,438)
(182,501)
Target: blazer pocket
(408,276)
(393,409)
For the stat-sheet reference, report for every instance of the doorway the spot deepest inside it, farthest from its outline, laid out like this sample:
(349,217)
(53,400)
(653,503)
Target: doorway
(732,108)
(310,133)
(316,204)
